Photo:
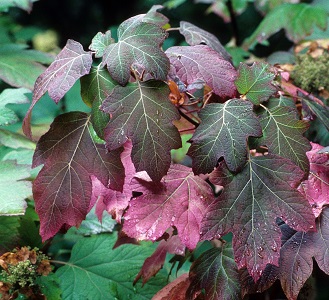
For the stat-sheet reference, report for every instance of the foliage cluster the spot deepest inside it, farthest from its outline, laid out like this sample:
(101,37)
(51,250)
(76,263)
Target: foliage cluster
(186,166)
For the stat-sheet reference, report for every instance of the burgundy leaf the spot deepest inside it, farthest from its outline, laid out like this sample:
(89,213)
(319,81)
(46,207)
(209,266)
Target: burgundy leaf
(70,64)
(316,187)
(115,202)
(180,200)
(154,263)
(63,188)
(191,63)
(249,206)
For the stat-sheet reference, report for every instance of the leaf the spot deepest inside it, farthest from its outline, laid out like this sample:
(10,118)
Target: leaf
(316,187)
(15,140)
(296,262)
(20,67)
(195,36)
(94,271)
(255,82)
(190,63)
(63,187)
(154,17)
(142,112)
(302,19)
(95,88)
(212,271)
(283,135)
(179,200)
(13,188)
(9,234)
(223,132)
(17,96)
(23,4)
(115,202)
(153,264)
(321,111)
(49,286)
(249,206)
(100,41)
(174,290)
(70,64)
(138,47)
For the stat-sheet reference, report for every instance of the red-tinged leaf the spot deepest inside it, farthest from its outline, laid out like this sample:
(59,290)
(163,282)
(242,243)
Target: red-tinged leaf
(216,272)
(255,82)
(175,290)
(180,200)
(138,47)
(62,190)
(190,63)
(70,64)
(141,112)
(283,135)
(249,206)
(316,187)
(296,254)
(195,36)
(155,262)
(115,202)
(223,132)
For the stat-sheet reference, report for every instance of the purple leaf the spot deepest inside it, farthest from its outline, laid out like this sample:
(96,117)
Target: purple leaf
(190,63)
(70,64)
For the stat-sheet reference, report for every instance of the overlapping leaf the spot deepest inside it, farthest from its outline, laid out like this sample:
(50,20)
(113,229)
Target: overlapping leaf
(298,21)
(13,188)
(320,111)
(296,262)
(17,96)
(249,206)
(217,273)
(23,4)
(316,187)
(179,200)
(255,82)
(141,112)
(95,87)
(138,47)
(190,63)
(94,271)
(195,36)
(283,135)
(223,132)
(62,189)
(100,41)
(70,64)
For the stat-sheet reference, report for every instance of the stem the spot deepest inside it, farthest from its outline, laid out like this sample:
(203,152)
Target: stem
(173,29)
(233,22)
(196,124)
(58,262)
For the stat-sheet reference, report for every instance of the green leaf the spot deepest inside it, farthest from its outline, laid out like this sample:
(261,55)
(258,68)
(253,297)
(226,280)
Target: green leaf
(138,48)
(283,135)
(100,41)
(96,271)
(142,112)
(17,96)
(298,21)
(14,140)
(321,111)
(8,233)
(95,88)
(23,4)
(254,82)
(20,67)
(223,132)
(217,273)
(50,287)
(13,189)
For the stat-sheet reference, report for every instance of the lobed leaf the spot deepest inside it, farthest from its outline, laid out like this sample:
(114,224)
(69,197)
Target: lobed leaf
(179,200)
(62,190)
(200,62)
(23,4)
(100,41)
(142,112)
(216,272)
(283,135)
(195,36)
(302,19)
(255,82)
(223,132)
(96,271)
(320,111)
(316,187)
(70,64)
(138,48)
(249,206)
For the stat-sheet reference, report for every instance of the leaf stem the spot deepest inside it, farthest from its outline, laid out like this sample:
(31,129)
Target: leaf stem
(173,29)
(185,116)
